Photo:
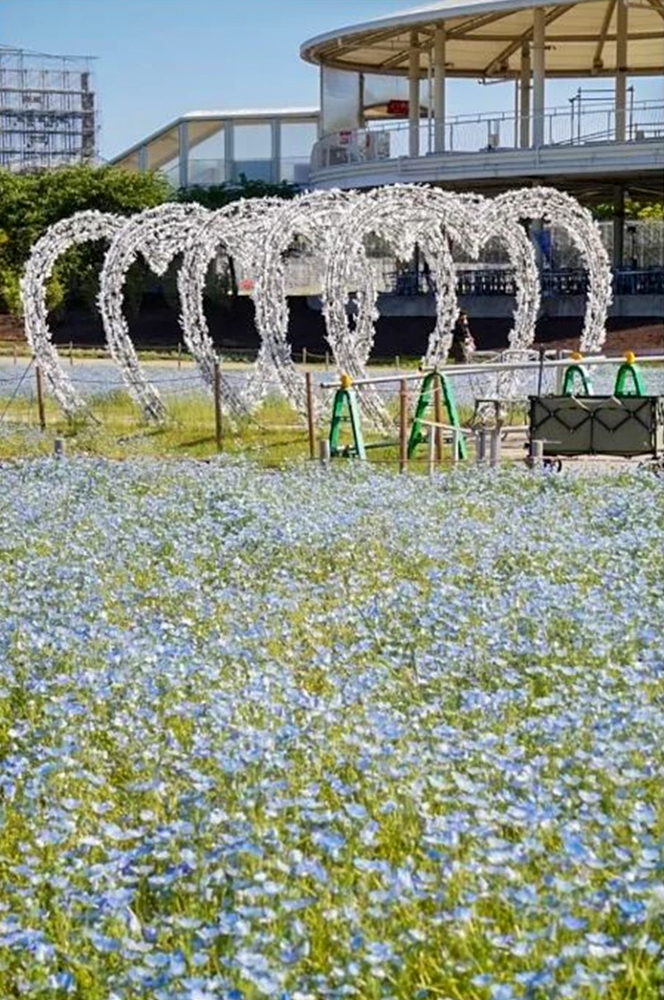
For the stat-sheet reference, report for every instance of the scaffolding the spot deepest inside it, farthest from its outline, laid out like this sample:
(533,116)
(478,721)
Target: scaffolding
(47,110)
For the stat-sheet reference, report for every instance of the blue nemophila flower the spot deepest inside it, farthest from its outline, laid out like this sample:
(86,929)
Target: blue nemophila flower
(259,737)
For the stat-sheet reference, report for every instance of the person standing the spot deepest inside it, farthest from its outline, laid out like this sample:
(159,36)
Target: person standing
(463,343)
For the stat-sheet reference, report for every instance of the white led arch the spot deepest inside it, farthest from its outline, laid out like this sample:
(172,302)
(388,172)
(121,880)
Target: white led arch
(562,210)
(83,227)
(315,218)
(334,225)
(240,230)
(158,234)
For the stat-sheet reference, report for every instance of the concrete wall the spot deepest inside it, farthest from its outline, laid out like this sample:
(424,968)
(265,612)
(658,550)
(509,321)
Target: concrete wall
(502,306)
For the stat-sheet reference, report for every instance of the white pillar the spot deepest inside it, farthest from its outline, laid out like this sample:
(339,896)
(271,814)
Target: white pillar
(183,154)
(275,126)
(516,114)
(524,85)
(539,16)
(440,39)
(414,97)
(229,151)
(621,69)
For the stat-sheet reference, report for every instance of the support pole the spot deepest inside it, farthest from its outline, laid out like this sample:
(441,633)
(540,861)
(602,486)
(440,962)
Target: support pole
(618,225)
(40,398)
(440,44)
(524,86)
(217,406)
(310,414)
(403,425)
(621,69)
(494,458)
(414,96)
(536,456)
(480,456)
(539,27)
(183,154)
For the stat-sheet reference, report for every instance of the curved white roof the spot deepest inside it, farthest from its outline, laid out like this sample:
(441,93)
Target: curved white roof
(485,37)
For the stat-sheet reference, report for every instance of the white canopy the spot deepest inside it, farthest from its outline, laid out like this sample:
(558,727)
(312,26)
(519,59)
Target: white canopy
(485,38)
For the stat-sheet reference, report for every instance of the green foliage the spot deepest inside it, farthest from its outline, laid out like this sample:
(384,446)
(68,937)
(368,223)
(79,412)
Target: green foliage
(30,203)
(219,195)
(633,210)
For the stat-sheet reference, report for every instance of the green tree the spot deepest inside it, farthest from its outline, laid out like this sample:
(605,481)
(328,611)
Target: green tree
(219,195)
(30,203)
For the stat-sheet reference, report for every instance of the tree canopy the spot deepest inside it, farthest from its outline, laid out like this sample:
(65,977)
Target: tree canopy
(31,202)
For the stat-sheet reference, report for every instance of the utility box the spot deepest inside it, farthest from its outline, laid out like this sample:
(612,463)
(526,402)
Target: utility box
(598,425)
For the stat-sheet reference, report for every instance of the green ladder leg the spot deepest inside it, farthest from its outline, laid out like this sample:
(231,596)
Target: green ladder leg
(346,399)
(425,401)
(629,370)
(573,372)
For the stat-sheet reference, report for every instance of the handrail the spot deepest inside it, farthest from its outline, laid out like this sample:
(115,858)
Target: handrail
(482,369)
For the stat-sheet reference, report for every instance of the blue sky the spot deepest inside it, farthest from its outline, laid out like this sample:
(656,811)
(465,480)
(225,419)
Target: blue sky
(159,58)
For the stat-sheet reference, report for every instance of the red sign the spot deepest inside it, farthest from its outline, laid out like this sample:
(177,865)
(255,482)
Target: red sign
(398,108)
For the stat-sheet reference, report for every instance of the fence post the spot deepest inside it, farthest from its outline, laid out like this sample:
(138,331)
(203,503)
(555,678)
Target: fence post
(40,398)
(559,374)
(179,354)
(403,425)
(456,438)
(217,405)
(310,414)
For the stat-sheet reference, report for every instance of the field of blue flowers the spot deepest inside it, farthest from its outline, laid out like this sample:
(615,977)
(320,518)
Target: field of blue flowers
(335,733)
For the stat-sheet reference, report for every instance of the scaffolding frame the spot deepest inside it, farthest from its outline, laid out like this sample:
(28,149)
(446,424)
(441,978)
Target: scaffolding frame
(47,110)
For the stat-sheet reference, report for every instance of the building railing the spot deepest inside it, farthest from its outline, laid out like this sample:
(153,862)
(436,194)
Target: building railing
(485,132)
(210,172)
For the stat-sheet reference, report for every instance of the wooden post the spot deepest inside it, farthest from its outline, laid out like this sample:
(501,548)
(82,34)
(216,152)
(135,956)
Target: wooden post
(217,405)
(310,414)
(40,398)
(403,425)
(438,410)
(304,355)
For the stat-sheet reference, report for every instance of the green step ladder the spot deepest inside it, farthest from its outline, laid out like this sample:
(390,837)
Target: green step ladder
(628,370)
(346,399)
(577,372)
(424,402)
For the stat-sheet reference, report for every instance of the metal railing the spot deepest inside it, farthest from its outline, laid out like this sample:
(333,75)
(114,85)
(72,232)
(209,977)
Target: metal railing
(490,132)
